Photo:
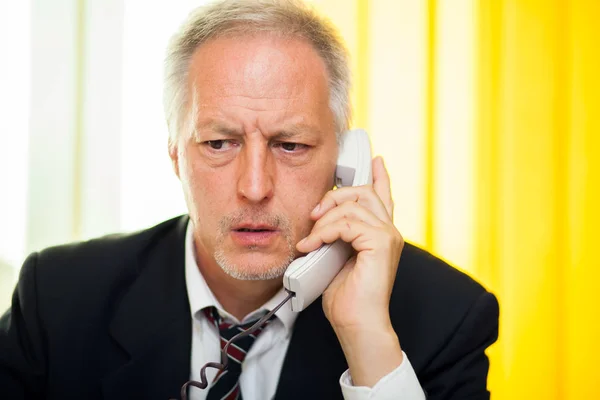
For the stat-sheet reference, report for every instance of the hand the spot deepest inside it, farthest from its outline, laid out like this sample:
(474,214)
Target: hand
(356,303)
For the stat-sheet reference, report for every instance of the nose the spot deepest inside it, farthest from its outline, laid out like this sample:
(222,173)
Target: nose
(255,181)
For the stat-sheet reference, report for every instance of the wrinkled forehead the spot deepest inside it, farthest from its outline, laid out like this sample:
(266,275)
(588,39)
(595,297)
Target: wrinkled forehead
(264,65)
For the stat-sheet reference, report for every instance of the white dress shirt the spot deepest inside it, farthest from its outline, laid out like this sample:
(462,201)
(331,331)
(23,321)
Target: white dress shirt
(264,360)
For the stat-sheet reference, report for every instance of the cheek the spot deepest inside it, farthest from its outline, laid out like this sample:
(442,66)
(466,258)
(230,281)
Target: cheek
(212,193)
(302,194)
(205,190)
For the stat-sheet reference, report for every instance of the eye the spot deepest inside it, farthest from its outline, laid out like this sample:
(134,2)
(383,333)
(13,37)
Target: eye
(218,144)
(291,147)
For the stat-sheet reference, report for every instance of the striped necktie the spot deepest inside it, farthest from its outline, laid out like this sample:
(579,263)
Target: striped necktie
(226,385)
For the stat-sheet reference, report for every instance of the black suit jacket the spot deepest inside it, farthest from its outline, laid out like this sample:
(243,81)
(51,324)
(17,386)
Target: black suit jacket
(110,319)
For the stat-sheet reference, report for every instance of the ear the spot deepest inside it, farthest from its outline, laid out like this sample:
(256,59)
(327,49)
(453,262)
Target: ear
(174,156)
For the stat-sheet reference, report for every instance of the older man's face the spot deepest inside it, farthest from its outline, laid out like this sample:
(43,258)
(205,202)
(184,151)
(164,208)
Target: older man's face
(263,153)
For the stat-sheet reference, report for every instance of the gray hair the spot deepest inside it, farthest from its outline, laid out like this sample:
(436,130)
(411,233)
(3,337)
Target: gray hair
(288,18)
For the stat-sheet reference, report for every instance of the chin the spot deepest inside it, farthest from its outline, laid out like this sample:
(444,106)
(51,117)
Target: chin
(254,266)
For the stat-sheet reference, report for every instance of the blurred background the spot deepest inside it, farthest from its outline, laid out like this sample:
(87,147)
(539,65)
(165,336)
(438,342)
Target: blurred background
(487,113)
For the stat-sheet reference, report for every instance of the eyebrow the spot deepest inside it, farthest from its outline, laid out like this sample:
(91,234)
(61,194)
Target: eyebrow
(288,132)
(220,127)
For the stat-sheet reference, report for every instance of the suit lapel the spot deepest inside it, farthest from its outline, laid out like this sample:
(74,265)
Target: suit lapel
(314,361)
(152,323)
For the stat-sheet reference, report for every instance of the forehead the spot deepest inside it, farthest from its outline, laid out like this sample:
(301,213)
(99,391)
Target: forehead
(260,66)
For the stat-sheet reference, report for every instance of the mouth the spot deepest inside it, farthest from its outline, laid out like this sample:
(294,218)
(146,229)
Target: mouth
(254,228)
(254,235)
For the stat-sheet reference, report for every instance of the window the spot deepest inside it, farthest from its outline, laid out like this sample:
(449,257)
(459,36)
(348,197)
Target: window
(14,103)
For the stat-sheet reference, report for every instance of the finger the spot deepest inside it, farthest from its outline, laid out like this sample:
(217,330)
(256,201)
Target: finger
(363,195)
(381,184)
(349,210)
(361,235)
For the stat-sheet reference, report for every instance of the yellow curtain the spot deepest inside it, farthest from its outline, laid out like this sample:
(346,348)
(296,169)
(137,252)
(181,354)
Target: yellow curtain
(488,115)
(538,191)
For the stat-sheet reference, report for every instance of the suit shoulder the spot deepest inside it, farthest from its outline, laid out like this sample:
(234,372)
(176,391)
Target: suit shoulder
(73,283)
(96,268)
(434,276)
(431,299)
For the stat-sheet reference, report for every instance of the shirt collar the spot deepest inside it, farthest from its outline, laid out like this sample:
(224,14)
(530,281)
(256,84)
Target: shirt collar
(200,295)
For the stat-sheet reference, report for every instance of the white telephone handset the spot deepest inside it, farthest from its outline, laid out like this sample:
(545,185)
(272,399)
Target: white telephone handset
(310,275)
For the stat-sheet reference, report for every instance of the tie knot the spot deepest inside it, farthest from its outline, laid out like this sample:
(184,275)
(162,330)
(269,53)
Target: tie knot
(238,349)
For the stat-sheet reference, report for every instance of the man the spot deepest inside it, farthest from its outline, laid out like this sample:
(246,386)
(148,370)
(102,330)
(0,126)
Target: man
(256,97)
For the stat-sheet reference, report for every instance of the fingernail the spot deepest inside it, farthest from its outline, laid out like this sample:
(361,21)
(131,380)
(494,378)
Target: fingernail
(316,208)
(302,241)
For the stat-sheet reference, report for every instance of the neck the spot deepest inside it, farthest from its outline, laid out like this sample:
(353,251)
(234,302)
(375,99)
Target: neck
(238,297)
